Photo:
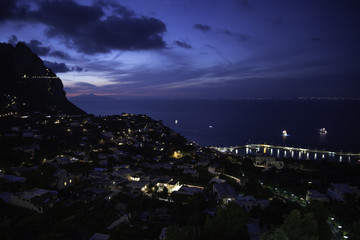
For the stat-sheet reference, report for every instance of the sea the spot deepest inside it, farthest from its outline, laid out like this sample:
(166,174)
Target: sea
(219,122)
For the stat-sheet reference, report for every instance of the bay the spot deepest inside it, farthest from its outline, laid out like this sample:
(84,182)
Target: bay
(216,122)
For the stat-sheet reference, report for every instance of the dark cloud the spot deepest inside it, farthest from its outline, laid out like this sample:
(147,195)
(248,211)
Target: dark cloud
(77,69)
(60,54)
(62,67)
(11,9)
(37,48)
(183,44)
(57,67)
(6,7)
(202,27)
(13,40)
(116,8)
(241,37)
(89,29)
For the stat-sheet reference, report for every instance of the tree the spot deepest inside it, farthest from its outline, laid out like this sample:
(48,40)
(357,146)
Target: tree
(228,223)
(254,188)
(321,214)
(355,233)
(295,227)
(276,234)
(43,177)
(248,167)
(272,215)
(174,232)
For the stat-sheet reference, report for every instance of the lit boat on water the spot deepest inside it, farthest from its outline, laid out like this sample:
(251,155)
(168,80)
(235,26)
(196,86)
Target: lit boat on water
(322,131)
(284,133)
(176,121)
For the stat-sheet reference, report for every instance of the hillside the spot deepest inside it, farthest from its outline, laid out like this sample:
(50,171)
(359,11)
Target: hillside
(27,85)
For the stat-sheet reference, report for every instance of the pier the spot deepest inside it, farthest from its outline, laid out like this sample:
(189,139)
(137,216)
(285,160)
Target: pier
(296,153)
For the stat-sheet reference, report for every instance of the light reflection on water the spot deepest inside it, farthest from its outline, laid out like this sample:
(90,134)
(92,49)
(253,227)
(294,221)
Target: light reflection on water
(240,122)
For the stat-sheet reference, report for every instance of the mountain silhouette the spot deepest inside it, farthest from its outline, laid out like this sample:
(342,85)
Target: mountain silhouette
(27,85)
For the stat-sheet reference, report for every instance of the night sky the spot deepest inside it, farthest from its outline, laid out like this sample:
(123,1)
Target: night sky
(193,48)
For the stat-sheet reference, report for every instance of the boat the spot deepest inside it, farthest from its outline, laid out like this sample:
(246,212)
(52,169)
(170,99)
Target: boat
(176,121)
(284,133)
(322,131)
(210,126)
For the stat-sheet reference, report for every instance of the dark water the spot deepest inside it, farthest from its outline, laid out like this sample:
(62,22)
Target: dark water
(238,122)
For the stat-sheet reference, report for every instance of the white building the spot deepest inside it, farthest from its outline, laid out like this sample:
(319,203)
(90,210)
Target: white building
(34,199)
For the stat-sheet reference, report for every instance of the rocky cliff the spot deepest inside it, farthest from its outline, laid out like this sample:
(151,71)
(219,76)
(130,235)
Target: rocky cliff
(26,85)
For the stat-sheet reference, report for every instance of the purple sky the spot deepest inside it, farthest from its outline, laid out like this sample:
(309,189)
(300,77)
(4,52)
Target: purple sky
(193,48)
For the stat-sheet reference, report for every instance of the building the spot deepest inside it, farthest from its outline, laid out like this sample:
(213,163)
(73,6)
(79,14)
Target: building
(34,199)
(63,178)
(191,171)
(224,192)
(99,236)
(169,183)
(267,162)
(249,202)
(123,219)
(12,178)
(138,186)
(190,190)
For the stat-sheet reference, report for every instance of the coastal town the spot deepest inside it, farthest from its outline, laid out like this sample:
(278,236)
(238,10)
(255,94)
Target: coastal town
(67,174)
(130,177)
